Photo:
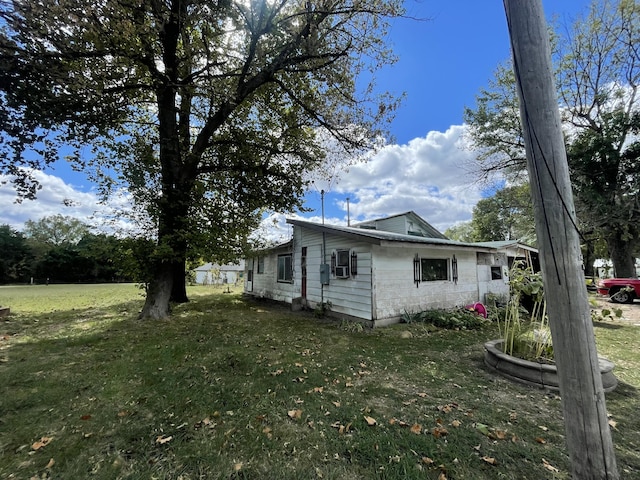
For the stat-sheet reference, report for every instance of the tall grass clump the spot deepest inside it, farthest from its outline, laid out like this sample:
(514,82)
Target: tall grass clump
(525,332)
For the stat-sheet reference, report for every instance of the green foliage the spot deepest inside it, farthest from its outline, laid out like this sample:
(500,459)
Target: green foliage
(461,232)
(507,215)
(321,309)
(89,259)
(598,70)
(351,326)
(55,230)
(526,334)
(604,314)
(207,115)
(16,256)
(451,319)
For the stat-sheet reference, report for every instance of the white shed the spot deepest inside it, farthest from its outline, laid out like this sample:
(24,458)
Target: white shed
(216,274)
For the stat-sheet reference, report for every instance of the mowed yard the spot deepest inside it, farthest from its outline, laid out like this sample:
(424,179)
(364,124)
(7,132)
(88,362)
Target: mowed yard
(233,388)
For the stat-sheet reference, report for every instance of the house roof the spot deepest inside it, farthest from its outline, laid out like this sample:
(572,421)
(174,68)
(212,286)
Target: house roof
(426,229)
(288,245)
(380,237)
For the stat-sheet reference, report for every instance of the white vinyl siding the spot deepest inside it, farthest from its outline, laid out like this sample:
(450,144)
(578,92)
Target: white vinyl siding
(350,296)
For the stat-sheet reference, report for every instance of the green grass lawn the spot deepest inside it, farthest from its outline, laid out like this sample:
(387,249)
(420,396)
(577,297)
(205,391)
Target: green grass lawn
(230,388)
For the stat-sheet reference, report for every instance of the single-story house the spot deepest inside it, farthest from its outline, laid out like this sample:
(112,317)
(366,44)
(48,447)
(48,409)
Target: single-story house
(377,270)
(216,274)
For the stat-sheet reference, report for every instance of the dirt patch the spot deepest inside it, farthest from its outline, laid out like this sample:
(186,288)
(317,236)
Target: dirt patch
(630,311)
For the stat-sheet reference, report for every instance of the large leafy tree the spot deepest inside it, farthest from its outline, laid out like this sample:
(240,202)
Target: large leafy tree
(507,215)
(55,230)
(598,70)
(208,111)
(16,256)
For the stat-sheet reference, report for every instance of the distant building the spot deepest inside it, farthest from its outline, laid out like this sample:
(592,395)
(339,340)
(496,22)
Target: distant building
(215,274)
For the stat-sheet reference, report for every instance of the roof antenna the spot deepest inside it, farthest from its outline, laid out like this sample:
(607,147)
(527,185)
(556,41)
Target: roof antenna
(348,215)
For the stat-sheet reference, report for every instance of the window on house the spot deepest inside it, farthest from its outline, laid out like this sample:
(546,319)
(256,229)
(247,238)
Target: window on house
(285,268)
(434,269)
(260,265)
(496,273)
(340,263)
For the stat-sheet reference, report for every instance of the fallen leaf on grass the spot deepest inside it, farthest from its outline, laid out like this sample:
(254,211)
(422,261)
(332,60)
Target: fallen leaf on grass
(439,432)
(456,423)
(543,428)
(237,467)
(499,434)
(370,421)
(336,404)
(43,442)
(541,440)
(162,439)
(85,417)
(123,413)
(416,428)
(613,424)
(490,460)
(295,414)
(548,466)
(345,429)
(448,407)
(51,463)
(483,429)
(427,461)
(422,394)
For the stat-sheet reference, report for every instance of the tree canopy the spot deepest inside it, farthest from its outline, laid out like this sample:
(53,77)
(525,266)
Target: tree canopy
(207,112)
(598,72)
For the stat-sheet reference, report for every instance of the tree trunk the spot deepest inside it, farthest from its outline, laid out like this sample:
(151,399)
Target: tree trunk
(589,258)
(621,252)
(156,305)
(179,288)
(588,434)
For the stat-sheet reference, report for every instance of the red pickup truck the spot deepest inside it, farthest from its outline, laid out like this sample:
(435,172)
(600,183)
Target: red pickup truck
(620,290)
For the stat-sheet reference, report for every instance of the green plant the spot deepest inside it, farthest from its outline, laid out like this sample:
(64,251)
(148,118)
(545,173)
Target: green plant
(410,317)
(605,314)
(321,309)
(351,326)
(526,334)
(452,319)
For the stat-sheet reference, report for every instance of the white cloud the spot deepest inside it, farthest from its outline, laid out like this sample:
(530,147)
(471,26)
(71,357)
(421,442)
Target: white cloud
(428,175)
(58,197)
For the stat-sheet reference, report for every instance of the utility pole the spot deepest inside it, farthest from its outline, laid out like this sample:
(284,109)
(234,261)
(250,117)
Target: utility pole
(348,214)
(587,431)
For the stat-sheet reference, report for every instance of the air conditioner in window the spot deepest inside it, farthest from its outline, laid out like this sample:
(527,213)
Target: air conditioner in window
(342,272)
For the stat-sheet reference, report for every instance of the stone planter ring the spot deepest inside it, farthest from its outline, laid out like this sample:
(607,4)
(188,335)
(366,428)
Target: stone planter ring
(534,373)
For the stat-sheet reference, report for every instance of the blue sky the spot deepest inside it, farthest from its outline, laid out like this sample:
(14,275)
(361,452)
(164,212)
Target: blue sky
(444,61)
